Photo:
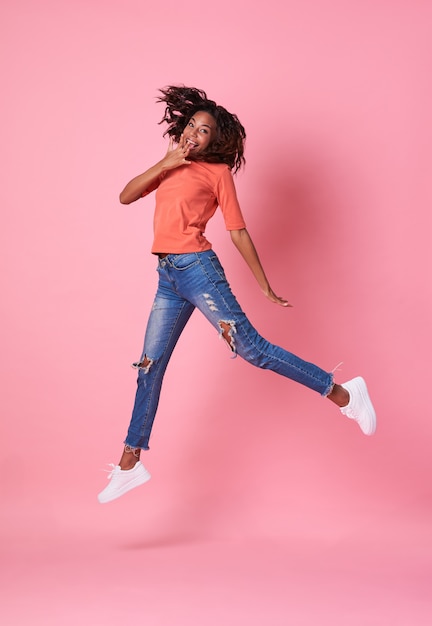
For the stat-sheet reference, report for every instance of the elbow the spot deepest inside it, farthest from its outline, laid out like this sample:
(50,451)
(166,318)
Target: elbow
(236,235)
(124,199)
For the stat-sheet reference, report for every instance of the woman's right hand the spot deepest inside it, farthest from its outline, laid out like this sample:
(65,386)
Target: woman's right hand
(175,157)
(176,154)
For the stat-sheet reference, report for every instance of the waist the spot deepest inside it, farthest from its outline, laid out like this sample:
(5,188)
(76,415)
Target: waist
(162,255)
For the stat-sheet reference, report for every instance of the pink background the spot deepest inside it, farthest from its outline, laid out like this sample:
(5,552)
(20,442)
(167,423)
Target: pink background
(266,506)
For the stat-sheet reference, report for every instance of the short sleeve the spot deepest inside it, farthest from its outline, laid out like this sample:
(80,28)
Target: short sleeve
(227,199)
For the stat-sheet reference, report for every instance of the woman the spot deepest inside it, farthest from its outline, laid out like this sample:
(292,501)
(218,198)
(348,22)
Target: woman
(192,180)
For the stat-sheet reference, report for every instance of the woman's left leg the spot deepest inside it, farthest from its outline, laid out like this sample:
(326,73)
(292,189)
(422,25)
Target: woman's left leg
(205,285)
(207,288)
(212,295)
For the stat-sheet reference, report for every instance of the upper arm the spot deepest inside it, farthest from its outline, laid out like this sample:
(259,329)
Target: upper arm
(237,234)
(240,238)
(227,199)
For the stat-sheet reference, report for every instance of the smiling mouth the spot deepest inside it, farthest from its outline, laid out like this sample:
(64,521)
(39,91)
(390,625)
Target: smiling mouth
(192,144)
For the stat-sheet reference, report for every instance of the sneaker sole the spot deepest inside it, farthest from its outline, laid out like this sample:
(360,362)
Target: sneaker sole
(370,427)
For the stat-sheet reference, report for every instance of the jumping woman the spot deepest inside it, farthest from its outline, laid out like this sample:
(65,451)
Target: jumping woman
(191,181)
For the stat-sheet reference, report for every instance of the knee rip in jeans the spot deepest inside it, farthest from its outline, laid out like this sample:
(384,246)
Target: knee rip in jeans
(227,332)
(145,364)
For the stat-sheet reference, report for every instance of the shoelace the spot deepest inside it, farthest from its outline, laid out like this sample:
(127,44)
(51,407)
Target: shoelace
(110,472)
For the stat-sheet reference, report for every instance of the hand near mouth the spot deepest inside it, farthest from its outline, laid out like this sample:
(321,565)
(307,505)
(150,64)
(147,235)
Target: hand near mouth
(176,155)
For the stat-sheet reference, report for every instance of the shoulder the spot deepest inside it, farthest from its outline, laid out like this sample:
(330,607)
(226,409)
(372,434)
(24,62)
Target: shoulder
(218,173)
(213,169)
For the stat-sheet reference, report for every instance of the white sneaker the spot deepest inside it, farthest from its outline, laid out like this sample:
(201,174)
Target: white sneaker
(122,481)
(359,407)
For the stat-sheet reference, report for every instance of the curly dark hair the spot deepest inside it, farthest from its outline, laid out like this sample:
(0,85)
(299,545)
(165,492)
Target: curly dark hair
(183,102)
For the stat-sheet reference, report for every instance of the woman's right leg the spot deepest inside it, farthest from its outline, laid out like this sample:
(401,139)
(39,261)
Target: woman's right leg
(167,320)
(169,315)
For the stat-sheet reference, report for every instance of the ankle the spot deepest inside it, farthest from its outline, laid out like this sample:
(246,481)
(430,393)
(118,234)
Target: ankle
(339,395)
(129,458)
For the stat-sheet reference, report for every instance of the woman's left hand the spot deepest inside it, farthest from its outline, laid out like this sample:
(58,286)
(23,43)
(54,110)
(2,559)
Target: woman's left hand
(276,299)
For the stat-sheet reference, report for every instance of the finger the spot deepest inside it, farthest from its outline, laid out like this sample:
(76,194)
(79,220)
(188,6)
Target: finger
(282,302)
(182,148)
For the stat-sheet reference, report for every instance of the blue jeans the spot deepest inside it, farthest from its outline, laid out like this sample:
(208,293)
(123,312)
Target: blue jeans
(197,280)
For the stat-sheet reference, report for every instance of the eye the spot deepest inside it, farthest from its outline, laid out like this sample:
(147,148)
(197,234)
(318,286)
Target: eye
(190,124)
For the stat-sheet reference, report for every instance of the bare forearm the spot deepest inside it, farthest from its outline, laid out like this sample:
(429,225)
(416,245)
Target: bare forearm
(137,186)
(175,157)
(245,246)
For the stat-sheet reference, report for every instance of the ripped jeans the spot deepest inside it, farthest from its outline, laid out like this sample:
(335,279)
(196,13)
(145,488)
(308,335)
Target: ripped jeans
(197,280)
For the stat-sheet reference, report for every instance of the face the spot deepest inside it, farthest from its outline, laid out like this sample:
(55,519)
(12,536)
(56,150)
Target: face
(200,131)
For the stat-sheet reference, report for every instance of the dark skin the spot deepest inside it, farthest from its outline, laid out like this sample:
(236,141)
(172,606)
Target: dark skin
(197,136)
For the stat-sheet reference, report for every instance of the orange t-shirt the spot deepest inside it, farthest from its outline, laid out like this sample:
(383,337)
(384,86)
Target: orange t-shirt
(186,198)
